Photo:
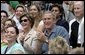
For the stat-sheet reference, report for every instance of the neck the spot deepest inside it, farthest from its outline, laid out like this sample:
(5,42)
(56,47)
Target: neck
(57,18)
(27,30)
(17,17)
(49,29)
(79,18)
(10,43)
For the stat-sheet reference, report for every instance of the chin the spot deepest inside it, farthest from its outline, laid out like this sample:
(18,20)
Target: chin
(77,15)
(25,27)
(9,39)
(47,27)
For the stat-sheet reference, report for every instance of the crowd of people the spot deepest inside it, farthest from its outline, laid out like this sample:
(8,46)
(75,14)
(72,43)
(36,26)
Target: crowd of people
(42,27)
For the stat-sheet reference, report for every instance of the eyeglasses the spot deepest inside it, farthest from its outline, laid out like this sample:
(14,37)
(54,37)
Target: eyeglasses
(25,20)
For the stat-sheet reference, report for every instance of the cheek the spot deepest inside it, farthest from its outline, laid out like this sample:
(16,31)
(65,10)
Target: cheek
(34,12)
(17,13)
(14,35)
(21,12)
(48,23)
(81,11)
(28,24)
(78,13)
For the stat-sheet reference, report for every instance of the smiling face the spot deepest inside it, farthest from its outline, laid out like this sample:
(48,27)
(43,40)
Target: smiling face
(33,11)
(78,9)
(11,34)
(8,23)
(3,17)
(19,11)
(48,20)
(56,11)
(25,22)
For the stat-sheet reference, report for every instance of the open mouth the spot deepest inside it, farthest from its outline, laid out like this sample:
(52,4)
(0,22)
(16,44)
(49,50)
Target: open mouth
(47,24)
(8,36)
(24,24)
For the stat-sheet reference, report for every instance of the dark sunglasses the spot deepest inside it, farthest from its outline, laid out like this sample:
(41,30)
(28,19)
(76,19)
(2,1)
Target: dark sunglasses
(25,20)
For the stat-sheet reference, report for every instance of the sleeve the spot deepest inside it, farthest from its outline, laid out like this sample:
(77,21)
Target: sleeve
(70,23)
(81,32)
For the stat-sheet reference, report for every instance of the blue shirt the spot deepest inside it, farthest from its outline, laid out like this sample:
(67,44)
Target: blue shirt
(56,31)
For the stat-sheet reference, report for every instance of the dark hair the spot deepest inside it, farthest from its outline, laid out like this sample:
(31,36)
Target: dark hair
(3,11)
(16,29)
(61,10)
(29,18)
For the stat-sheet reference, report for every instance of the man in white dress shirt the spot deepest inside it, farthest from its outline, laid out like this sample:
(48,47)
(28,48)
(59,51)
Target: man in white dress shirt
(74,24)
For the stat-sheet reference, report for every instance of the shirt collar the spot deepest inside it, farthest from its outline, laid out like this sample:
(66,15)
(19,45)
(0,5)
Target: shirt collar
(52,31)
(79,21)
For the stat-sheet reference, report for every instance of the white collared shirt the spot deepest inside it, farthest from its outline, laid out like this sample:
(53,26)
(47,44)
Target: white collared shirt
(81,32)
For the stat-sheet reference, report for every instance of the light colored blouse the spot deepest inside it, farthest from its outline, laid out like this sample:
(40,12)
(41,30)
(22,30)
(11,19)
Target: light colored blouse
(29,40)
(13,49)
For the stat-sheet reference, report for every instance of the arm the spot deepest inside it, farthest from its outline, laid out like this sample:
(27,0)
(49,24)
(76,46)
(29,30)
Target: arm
(37,43)
(20,38)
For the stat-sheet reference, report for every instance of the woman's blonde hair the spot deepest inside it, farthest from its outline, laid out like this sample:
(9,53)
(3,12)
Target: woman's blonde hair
(20,5)
(58,46)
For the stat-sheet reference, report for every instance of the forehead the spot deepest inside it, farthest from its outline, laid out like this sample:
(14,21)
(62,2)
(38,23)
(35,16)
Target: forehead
(10,29)
(47,15)
(78,3)
(55,8)
(2,13)
(24,18)
(8,21)
(33,7)
(19,8)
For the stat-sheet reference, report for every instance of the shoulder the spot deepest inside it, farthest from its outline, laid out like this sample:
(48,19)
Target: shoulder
(17,48)
(73,20)
(59,27)
(32,32)
(31,35)
(3,47)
